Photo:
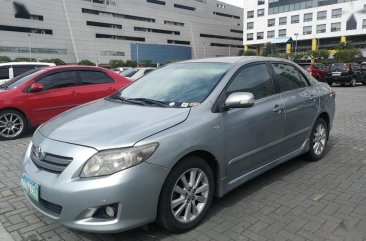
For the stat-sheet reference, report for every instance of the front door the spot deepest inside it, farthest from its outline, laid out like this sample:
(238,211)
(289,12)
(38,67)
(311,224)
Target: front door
(59,94)
(253,135)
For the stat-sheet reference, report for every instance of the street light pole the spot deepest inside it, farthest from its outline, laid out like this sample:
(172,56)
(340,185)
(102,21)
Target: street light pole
(204,49)
(296,34)
(29,46)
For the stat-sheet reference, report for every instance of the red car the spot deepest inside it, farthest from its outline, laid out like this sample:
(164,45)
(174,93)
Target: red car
(36,96)
(317,70)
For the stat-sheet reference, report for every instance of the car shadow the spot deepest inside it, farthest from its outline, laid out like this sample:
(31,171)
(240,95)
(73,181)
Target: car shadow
(219,205)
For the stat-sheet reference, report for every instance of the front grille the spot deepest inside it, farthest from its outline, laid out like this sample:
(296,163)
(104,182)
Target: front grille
(49,162)
(55,208)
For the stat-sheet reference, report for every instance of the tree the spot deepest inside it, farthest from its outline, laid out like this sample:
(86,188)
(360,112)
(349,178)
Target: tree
(23,59)
(147,63)
(4,59)
(300,56)
(55,61)
(321,56)
(346,53)
(131,63)
(115,63)
(249,53)
(86,62)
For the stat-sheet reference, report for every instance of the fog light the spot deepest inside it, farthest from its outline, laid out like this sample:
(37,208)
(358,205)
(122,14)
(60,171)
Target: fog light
(110,211)
(106,212)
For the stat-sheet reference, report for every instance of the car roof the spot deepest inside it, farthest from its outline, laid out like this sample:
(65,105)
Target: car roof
(26,63)
(61,67)
(236,59)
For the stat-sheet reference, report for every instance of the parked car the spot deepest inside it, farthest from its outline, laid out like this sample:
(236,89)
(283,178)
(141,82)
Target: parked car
(120,69)
(13,69)
(135,74)
(36,96)
(349,73)
(164,146)
(317,70)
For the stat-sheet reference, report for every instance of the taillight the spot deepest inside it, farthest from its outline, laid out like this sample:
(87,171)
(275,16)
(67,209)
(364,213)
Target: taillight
(333,94)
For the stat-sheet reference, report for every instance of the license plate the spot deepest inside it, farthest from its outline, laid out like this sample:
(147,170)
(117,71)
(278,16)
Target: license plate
(30,187)
(336,74)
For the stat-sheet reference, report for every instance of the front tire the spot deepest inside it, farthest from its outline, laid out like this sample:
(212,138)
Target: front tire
(353,82)
(13,124)
(186,195)
(318,140)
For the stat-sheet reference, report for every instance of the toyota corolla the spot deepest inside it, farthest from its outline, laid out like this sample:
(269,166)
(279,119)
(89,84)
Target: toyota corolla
(161,148)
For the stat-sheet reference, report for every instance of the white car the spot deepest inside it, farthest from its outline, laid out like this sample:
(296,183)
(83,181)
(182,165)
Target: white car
(135,74)
(13,69)
(120,69)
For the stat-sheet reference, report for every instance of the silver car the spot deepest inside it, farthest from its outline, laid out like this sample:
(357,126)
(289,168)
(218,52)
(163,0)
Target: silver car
(161,148)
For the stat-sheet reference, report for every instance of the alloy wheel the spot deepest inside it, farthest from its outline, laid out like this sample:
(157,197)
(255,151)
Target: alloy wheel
(190,195)
(11,125)
(320,139)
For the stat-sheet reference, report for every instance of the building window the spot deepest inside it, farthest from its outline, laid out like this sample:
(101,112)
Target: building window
(260,35)
(34,50)
(271,34)
(219,5)
(321,28)
(308,17)
(154,30)
(283,21)
(250,25)
(202,35)
(112,53)
(282,33)
(179,42)
(226,15)
(322,15)
(307,30)
(364,24)
(174,23)
(117,15)
(226,45)
(337,13)
(25,30)
(250,14)
(184,7)
(156,2)
(335,27)
(295,19)
(118,37)
(250,36)
(236,31)
(104,25)
(271,22)
(260,2)
(260,12)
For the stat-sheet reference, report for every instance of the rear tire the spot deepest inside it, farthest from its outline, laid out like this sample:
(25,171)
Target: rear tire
(13,124)
(184,201)
(318,140)
(353,82)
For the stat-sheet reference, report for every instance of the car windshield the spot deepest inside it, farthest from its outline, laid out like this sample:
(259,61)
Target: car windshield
(129,72)
(20,79)
(338,67)
(177,84)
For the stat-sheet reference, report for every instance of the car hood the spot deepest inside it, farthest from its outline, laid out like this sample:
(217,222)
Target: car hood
(105,125)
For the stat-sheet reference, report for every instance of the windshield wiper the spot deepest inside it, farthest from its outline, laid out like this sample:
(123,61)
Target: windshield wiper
(149,101)
(118,97)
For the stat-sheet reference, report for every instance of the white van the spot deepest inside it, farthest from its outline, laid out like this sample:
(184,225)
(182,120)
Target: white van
(13,69)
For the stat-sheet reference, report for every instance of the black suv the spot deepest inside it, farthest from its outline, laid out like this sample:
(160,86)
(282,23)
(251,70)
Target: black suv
(349,73)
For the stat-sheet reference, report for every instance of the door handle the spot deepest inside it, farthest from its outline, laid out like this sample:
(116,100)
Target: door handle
(278,109)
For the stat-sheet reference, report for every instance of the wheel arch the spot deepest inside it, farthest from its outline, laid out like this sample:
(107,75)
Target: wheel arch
(29,124)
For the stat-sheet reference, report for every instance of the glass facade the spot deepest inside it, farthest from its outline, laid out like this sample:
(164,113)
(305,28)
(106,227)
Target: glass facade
(281,6)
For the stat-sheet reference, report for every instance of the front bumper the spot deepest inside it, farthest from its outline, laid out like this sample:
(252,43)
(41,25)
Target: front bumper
(72,200)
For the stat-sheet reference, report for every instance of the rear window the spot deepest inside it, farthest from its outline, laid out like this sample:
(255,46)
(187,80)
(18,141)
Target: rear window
(4,73)
(338,67)
(18,70)
(94,77)
(129,73)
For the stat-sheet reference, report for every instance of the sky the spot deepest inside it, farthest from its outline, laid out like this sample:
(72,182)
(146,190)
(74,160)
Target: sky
(239,3)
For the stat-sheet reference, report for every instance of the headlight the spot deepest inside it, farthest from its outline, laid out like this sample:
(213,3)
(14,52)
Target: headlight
(112,161)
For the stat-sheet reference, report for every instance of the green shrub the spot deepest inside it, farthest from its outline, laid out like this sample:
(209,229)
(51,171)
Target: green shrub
(86,62)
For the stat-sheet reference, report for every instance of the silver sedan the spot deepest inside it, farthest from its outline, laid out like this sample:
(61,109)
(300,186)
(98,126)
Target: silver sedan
(161,148)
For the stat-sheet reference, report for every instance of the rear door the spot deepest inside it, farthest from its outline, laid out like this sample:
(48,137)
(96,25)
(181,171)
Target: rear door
(94,84)
(301,103)
(59,94)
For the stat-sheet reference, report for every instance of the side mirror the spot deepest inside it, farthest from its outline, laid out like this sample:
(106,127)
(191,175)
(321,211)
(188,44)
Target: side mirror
(36,87)
(240,100)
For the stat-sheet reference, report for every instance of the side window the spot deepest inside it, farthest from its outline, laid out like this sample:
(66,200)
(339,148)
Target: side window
(288,77)
(58,80)
(94,77)
(148,71)
(18,70)
(4,73)
(254,79)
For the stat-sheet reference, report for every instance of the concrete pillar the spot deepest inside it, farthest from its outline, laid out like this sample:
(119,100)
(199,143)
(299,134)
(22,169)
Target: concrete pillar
(343,39)
(246,48)
(258,50)
(314,44)
(288,50)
